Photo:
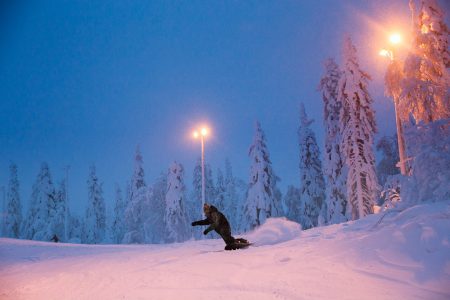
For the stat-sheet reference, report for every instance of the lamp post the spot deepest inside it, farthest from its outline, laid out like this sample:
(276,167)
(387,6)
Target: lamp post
(202,133)
(392,81)
(66,212)
(4,213)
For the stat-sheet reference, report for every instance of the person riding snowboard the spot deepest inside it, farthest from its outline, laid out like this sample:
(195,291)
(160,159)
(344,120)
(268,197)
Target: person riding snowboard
(218,222)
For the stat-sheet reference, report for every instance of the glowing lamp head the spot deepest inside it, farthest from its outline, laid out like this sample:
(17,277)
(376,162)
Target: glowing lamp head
(395,39)
(202,132)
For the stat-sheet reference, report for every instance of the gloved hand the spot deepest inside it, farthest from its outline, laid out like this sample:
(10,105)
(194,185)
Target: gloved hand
(194,223)
(205,232)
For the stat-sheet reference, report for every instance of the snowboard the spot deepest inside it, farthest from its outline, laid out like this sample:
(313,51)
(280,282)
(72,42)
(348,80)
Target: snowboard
(239,243)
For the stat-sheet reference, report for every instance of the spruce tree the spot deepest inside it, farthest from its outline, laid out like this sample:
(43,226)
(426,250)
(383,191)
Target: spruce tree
(358,119)
(175,216)
(434,43)
(194,205)
(137,210)
(14,206)
(312,184)
(210,189)
(233,202)
(57,213)
(425,91)
(118,223)
(95,218)
(220,202)
(262,200)
(334,168)
(295,208)
(75,229)
(156,228)
(387,166)
(36,223)
(429,146)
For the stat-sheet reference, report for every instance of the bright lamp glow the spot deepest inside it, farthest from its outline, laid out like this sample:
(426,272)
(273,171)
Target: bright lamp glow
(201,132)
(395,38)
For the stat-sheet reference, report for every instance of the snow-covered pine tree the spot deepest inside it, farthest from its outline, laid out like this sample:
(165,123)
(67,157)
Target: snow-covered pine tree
(156,228)
(262,201)
(118,223)
(387,166)
(291,202)
(334,168)
(75,229)
(14,206)
(175,216)
(434,43)
(224,201)
(428,144)
(95,219)
(278,198)
(36,223)
(232,201)
(312,184)
(432,23)
(57,213)
(137,210)
(241,191)
(210,189)
(194,204)
(220,191)
(210,193)
(358,119)
(295,207)
(425,90)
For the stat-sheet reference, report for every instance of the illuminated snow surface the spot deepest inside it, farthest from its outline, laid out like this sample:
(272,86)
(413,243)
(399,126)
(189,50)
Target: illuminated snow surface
(403,255)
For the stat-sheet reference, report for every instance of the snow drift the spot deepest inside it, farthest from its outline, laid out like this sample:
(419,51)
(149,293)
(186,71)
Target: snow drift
(274,231)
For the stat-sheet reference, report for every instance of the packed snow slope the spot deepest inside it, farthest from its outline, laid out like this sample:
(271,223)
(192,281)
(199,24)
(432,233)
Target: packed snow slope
(398,255)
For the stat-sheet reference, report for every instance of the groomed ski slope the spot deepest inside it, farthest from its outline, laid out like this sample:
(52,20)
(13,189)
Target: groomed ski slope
(404,255)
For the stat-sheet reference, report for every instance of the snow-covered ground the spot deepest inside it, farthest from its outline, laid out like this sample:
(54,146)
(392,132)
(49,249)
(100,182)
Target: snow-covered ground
(400,255)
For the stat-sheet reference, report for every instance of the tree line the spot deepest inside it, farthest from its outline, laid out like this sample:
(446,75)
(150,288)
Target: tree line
(342,183)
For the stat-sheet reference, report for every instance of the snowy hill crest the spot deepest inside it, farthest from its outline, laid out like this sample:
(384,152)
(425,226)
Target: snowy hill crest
(401,255)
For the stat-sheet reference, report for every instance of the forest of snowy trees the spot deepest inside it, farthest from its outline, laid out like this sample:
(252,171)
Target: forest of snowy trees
(338,183)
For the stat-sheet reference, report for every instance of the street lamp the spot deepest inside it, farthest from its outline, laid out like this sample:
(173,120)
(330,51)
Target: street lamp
(395,38)
(392,82)
(202,133)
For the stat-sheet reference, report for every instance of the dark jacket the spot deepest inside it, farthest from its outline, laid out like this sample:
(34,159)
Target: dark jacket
(216,221)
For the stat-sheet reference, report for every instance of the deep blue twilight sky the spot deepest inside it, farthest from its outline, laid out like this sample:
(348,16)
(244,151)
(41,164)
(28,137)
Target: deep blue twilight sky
(84,82)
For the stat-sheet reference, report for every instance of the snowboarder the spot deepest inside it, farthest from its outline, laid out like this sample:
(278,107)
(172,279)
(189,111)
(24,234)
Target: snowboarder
(218,222)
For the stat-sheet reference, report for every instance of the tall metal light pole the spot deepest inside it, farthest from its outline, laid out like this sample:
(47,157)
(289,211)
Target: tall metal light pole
(66,215)
(4,213)
(392,81)
(202,133)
